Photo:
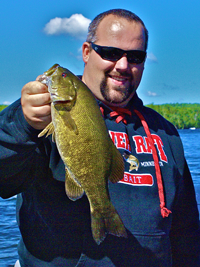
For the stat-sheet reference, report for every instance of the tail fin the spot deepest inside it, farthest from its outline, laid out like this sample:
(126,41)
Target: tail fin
(110,224)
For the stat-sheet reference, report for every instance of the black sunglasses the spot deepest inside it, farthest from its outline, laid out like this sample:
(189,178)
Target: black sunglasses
(114,54)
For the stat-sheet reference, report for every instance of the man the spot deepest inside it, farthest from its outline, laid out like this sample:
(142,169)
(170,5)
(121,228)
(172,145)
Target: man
(155,199)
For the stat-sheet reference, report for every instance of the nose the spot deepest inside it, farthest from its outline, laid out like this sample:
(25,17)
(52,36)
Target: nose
(122,64)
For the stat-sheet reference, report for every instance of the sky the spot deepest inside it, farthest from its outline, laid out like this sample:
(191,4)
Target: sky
(36,34)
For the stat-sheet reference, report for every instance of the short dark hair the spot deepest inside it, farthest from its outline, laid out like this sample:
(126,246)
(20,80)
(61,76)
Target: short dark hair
(130,16)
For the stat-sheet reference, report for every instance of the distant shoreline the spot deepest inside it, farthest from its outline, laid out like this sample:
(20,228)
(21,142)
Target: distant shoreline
(183,116)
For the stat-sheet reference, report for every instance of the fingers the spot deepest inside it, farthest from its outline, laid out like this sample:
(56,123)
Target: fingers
(38,77)
(35,100)
(35,87)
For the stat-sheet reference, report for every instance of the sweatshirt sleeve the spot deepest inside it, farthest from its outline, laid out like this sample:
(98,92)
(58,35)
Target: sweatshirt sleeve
(20,150)
(185,230)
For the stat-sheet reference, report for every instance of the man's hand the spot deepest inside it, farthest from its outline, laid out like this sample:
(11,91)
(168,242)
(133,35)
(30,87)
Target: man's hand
(36,104)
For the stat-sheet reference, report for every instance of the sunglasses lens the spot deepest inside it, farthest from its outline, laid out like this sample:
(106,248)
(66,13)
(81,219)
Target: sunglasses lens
(136,56)
(114,54)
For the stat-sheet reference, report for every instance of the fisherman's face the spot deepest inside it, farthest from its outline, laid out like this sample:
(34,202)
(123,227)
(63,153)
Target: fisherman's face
(114,83)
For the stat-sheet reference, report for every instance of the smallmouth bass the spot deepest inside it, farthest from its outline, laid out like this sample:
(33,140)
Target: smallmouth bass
(88,153)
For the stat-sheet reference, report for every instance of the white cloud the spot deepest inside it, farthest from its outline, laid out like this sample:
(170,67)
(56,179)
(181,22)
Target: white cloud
(76,26)
(6,103)
(153,94)
(152,58)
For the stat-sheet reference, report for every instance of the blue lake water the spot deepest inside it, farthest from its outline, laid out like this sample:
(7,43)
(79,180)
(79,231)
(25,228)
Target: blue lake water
(9,233)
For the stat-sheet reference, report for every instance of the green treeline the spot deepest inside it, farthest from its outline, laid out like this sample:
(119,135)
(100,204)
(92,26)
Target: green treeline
(2,107)
(183,116)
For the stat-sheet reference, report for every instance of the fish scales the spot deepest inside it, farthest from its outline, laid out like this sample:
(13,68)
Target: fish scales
(89,155)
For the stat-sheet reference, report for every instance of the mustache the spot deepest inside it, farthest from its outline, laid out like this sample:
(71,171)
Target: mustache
(120,74)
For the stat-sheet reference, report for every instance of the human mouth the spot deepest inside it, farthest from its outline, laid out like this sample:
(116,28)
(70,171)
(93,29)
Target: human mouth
(119,80)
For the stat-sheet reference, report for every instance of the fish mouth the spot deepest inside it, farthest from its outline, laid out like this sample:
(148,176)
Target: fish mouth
(57,102)
(61,100)
(63,105)
(66,100)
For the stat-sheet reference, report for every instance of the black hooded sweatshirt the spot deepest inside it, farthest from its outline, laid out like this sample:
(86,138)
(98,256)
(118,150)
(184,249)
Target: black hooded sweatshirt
(155,199)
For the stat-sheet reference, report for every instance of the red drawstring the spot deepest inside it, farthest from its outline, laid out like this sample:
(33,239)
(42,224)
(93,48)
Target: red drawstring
(120,113)
(102,111)
(164,211)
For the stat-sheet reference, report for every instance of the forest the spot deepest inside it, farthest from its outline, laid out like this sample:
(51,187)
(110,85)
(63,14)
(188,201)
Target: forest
(183,116)
(2,107)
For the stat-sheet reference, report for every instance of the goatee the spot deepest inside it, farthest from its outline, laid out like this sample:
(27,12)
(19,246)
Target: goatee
(105,91)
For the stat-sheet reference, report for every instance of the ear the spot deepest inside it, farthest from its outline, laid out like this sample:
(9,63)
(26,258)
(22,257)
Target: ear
(86,51)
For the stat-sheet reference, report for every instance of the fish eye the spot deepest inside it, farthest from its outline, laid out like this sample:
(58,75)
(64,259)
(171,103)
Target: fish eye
(64,74)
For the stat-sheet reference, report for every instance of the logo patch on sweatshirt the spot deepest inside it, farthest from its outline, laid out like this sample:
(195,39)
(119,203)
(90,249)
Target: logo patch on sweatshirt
(132,160)
(142,145)
(120,140)
(137,179)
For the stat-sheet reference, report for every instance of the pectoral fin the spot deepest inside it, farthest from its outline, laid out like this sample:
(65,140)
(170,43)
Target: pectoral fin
(69,121)
(73,190)
(48,131)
